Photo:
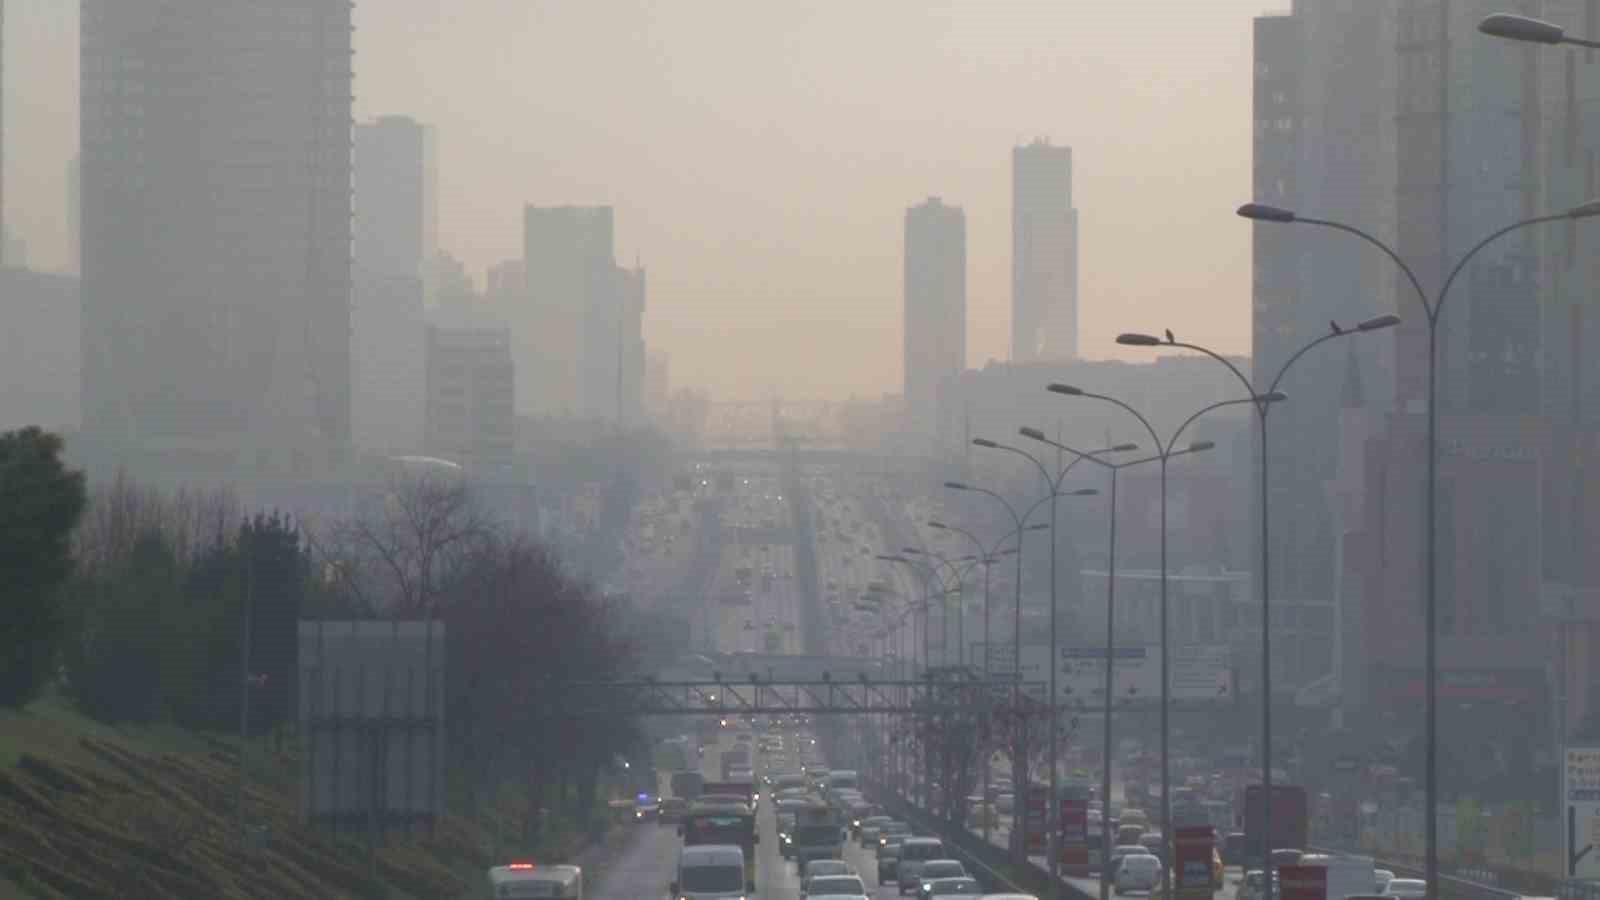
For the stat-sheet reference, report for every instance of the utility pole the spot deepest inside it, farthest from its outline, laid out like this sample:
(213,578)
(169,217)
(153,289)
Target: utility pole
(244,678)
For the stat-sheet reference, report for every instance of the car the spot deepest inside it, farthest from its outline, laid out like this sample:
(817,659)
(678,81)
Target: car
(938,870)
(835,886)
(818,868)
(1381,879)
(961,888)
(892,832)
(914,853)
(1121,850)
(646,808)
(1138,872)
(1406,887)
(1253,886)
(868,833)
(1284,856)
(1010,897)
(673,809)
(889,863)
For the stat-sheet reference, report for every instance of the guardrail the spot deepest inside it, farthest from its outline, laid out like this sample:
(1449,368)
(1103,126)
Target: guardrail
(1454,886)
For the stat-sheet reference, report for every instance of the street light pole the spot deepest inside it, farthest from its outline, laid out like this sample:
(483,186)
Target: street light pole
(1133,339)
(1053,485)
(1165,450)
(1261,212)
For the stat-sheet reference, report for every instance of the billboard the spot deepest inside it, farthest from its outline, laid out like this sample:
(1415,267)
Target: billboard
(1199,673)
(1581,818)
(371,716)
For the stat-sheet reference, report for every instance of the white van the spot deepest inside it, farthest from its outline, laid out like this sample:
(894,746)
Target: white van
(913,853)
(524,879)
(710,872)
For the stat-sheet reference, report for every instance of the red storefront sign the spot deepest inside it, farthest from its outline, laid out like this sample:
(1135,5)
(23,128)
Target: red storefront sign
(1303,882)
(1074,841)
(1193,849)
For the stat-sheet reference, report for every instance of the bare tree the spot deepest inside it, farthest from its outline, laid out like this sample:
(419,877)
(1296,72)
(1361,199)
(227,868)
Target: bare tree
(395,557)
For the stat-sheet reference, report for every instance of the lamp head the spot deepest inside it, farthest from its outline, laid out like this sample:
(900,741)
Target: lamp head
(1067,389)
(957,486)
(1378,323)
(1135,339)
(1584,210)
(1274,397)
(1521,28)
(935,523)
(1031,433)
(1124,448)
(983,442)
(1198,446)
(1263,212)
(1085,492)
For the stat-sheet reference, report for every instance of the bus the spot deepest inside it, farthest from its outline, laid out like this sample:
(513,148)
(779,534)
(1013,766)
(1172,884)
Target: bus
(723,823)
(524,879)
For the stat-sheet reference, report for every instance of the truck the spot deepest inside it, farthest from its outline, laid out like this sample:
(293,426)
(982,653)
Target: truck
(735,758)
(742,789)
(1350,875)
(687,783)
(1290,821)
(818,833)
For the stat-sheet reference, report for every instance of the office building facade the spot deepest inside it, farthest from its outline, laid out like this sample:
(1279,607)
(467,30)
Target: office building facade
(935,337)
(216,229)
(1044,254)
(387,316)
(569,266)
(470,404)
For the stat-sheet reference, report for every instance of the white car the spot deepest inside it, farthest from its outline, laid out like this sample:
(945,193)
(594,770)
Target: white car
(953,889)
(1138,872)
(1406,887)
(818,868)
(832,886)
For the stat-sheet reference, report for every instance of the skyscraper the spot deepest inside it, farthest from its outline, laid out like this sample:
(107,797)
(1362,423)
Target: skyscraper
(935,306)
(1322,117)
(613,350)
(216,228)
(1044,254)
(569,265)
(386,343)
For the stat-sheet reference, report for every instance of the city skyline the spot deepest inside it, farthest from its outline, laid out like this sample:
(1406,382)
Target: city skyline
(502,145)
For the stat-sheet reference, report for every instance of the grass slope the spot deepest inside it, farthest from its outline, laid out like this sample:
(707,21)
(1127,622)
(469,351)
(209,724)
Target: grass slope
(88,811)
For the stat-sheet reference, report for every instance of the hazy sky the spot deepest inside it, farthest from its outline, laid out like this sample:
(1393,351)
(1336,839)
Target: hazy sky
(761,156)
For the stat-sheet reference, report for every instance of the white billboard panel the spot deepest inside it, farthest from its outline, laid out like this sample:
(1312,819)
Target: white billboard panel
(1199,673)
(1581,793)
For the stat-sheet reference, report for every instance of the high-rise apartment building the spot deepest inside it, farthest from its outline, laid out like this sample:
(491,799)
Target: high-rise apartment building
(570,269)
(1323,142)
(1044,254)
(935,306)
(217,228)
(387,316)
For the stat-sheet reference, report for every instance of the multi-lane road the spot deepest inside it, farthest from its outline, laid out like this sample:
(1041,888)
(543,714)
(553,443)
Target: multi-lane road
(755,604)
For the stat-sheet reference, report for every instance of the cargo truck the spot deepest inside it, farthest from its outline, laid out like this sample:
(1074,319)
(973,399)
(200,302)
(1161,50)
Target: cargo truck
(818,833)
(1290,821)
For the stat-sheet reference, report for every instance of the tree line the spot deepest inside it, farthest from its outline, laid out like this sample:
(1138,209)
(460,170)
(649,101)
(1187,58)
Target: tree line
(131,601)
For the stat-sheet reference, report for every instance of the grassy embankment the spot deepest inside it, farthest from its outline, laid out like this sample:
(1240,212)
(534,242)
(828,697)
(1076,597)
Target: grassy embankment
(88,811)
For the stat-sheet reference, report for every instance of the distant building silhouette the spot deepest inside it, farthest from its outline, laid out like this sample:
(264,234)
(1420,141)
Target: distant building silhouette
(217,229)
(387,316)
(568,255)
(1044,254)
(1323,142)
(471,394)
(935,338)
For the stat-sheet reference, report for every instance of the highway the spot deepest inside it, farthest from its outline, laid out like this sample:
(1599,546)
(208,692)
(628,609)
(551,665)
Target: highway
(745,605)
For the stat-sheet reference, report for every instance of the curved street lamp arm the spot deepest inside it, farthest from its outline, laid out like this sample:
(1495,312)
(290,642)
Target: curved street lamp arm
(1203,410)
(1154,438)
(1411,276)
(1461,263)
(1015,519)
(1284,369)
(1249,388)
(1043,473)
(969,536)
